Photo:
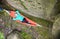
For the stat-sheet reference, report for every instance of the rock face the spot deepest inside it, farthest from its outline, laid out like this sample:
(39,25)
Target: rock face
(13,36)
(56,24)
(36,8)
(56,28)
(45,9)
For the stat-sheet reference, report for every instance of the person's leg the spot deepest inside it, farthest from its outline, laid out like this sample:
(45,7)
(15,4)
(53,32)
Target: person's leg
(24,20)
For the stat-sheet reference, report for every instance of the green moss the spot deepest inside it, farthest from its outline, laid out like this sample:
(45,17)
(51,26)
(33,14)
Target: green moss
(25,35)
(43,32)
(2,12)
(52,1)
(1,35)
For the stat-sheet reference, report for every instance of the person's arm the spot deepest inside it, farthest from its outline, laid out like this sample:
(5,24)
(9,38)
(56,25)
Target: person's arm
(14,18)
(7,11)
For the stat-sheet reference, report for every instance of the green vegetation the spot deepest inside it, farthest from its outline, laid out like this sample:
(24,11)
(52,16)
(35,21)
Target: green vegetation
(1,35)
(2,12)
(25,35)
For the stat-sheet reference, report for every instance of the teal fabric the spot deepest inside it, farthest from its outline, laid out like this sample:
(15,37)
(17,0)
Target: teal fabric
(19,16)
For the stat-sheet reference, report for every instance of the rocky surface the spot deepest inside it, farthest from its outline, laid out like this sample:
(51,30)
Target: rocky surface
(45,9)
(36,8)
(13,36)
(56,28)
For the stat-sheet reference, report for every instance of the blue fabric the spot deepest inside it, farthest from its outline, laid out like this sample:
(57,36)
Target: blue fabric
(1,9)
(18,17)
